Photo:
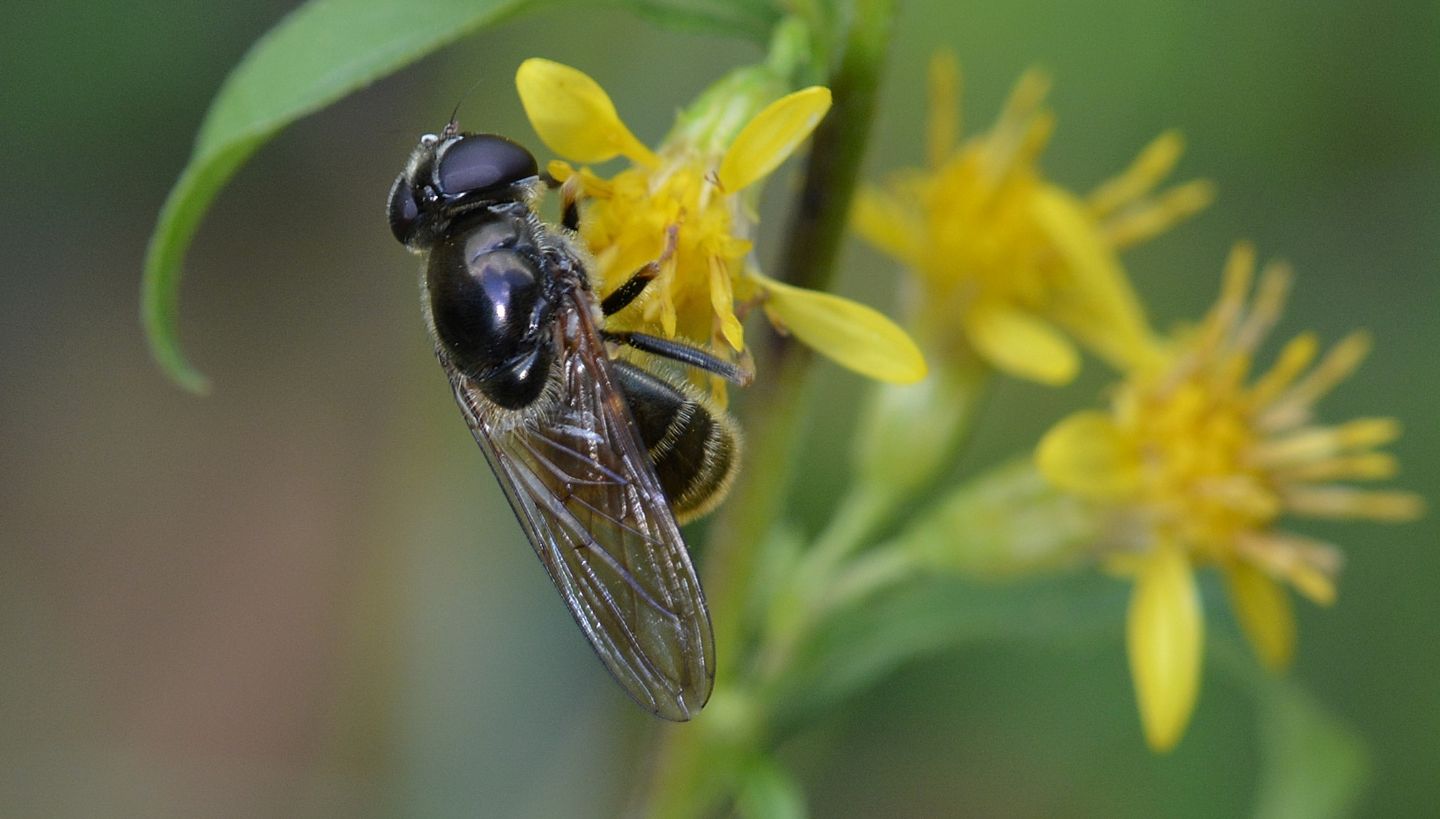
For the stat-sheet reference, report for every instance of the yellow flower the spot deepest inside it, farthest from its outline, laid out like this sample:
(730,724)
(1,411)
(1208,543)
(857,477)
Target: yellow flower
(700,186)
(1006,260)
(1197,462)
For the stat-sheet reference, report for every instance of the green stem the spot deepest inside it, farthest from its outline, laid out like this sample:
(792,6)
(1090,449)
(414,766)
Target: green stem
(812,581)
(856,517)
(872,573)
(833,169)
(753,506)
(816,230)
(908,437)
(838,588)
(815,235)
(683,765)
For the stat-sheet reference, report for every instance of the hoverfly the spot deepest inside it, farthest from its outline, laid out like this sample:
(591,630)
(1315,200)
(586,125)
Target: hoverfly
(597,456)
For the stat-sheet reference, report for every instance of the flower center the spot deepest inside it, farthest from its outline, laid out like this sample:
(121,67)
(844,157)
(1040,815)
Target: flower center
(1193,441)
(986,244)
(627,229)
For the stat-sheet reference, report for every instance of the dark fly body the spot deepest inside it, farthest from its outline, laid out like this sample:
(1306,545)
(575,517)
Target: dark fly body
(597,456)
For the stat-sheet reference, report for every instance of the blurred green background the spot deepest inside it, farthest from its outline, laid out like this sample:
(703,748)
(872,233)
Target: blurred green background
(303,595)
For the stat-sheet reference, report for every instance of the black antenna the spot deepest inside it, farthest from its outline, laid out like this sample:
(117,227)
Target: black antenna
(453,126)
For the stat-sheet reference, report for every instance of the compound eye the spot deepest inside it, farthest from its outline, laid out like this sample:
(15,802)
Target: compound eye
(402,208)
(481,162)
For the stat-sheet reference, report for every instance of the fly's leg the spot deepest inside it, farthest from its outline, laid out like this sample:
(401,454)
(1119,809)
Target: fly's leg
(570,195)
(682,353)
(635,285)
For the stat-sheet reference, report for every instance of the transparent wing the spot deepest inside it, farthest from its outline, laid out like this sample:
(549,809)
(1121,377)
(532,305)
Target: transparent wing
(578,479)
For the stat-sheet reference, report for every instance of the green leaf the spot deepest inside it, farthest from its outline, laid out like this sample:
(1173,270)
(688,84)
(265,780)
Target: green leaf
(974,529)
(319,53)
(769,792)
(751,20)
(908,434)
(1313,765)
(860,646)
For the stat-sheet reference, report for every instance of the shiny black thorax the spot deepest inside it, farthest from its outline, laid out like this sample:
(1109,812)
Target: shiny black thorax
(497,280)
(492,295)
(464,200)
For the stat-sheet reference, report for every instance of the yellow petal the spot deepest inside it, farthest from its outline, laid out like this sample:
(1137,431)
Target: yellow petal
(559,169)
(1087,454)
(1022,345)
(886,222)
(849,333)
(722,301)
(669,317)
(573,115)
(1265,613)
(1098,304)
(624,254)
(589,184)
(770,138)
(1163,634)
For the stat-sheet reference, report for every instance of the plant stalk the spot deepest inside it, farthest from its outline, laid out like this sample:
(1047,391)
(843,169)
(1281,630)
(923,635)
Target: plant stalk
(816,229)
(686,765)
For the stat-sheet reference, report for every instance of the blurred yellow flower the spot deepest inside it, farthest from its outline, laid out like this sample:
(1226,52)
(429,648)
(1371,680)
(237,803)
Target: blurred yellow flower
(700,186)
(1007,260)
(1199,461)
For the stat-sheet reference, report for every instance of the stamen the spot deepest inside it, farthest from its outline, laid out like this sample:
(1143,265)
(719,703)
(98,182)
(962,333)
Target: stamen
(1336,366)
(1007,137)
(1146,219)
(1265,310)
(1153,164)
(1037,136)
(1294,358)
(1242,494)
(1239,269)
(1334,502)
(1370,466)
(1323,442)
(1308,564)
